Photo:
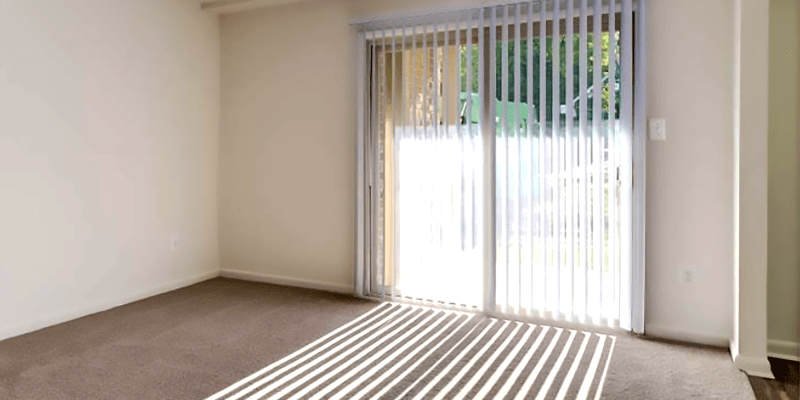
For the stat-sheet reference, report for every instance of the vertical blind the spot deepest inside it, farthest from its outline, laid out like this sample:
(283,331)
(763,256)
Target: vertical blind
(497,159)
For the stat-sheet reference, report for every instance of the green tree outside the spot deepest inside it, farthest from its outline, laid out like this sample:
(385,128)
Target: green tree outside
(535,46)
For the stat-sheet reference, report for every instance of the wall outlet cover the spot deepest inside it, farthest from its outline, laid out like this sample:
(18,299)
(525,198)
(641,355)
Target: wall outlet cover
(690,275)
(657,127)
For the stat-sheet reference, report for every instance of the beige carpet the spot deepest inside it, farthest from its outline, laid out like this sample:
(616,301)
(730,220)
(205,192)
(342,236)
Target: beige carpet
(198,341)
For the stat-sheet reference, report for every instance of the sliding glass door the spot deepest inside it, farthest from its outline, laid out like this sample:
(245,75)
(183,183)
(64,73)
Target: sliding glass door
(497,160)
(427,161)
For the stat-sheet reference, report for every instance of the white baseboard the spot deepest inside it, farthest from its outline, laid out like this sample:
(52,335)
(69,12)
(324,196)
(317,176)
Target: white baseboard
(78,312)
(286,281)
(663,332)
(753,366)
(783,349)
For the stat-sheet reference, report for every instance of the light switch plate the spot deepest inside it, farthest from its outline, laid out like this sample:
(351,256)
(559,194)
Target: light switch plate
(657,128)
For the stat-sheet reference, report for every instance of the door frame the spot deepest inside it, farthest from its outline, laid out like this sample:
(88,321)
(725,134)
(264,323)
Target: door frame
(365,178)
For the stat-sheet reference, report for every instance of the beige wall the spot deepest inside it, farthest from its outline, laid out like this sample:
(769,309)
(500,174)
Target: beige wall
(288,164)
(287,150)
(690,175)
(108,148)
(784,148)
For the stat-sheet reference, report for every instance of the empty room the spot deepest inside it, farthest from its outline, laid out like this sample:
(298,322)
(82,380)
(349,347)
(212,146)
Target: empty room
(399,199)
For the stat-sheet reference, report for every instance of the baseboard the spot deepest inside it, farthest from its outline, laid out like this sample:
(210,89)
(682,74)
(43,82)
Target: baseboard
(753,366)
(41,323)
(783,349)
(286,281)
(662,332)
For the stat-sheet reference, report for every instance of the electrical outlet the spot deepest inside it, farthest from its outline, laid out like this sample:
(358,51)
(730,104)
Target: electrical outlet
(689,275)
(657,128)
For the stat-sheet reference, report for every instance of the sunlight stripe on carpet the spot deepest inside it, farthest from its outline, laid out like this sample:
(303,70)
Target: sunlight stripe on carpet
(413,352)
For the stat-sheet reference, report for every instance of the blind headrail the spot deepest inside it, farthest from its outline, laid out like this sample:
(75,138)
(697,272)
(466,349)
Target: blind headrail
(445,14)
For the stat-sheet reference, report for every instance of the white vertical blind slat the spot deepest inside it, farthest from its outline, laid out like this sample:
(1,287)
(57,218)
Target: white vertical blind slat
(417,142)
(531,162)
(584,153)
(425,200)
(445,142)
(375,121)
(570,114)
(459,201)
(469,205)
(518,134)
(505,220)
(489,136)
(378,168)
(491,174)
(437,191)
(394,157)
(469,178)
(557,162)
(612,161)
(544,232)
(402,134)
(596,163)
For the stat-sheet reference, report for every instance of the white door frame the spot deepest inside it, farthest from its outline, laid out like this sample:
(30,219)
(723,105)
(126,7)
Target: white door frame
(638,239)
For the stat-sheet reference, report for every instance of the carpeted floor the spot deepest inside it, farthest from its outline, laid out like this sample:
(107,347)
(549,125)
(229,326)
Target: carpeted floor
(198,341)
(412,352)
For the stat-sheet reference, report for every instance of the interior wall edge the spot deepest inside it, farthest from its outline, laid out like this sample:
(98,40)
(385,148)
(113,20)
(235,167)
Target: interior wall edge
(783,306)
(287,281)
(665,332)
(752,365)
(783,349)
(104,305)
